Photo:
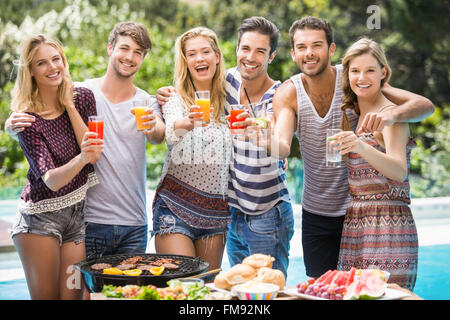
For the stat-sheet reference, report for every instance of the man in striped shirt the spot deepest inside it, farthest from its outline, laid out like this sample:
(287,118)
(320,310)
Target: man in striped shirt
(261,212)
(307,104)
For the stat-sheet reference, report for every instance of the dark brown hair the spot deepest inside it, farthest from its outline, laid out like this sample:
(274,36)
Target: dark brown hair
(263,26)
(314,24)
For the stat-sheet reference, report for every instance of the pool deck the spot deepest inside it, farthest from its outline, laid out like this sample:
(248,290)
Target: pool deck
(6,243)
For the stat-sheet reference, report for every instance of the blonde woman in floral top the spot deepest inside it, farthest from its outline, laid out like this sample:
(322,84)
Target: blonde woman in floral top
(190,209)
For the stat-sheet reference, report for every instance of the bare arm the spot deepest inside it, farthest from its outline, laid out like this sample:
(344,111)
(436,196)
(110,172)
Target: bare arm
(285,117)
(157,132)
(57,178)
(163,94)
(391,164)
(409,107)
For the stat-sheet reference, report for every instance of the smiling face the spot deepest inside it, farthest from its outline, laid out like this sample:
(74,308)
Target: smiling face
(125,57)
(365,75)
(47,67)
(311,52)
(201,60)
(253,55)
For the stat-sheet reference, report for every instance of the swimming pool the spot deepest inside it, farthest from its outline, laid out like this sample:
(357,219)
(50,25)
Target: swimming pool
(433,279)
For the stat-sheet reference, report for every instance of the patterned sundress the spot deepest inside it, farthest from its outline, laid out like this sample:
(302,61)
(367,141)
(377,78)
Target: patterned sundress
(379,229)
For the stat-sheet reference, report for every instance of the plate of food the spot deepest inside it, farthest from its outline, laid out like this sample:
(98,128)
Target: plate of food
(355,284)
(177,289)
(252,279)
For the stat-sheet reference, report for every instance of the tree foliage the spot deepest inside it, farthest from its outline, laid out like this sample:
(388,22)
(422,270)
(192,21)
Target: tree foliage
(413,33)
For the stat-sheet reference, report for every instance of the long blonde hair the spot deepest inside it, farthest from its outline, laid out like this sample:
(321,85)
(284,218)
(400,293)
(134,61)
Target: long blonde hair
(182,78)
(26,97)
(349,99)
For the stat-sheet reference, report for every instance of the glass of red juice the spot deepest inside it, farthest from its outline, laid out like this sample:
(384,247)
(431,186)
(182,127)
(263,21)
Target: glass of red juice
(236,110)
(96,125)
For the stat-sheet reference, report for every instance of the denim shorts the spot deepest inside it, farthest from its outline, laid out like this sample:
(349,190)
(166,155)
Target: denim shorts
(165,222)
(66,224)
(268,233)
(107,239)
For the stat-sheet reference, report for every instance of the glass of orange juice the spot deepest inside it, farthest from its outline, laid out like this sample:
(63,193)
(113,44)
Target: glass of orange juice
(141,108)
(202,100)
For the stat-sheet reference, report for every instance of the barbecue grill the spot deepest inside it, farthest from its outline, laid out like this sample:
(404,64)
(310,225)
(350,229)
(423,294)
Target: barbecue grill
(95,279)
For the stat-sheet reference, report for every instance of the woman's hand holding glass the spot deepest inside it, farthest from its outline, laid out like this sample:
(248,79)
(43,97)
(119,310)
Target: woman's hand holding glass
(91,148)
(195,117)
(347,141)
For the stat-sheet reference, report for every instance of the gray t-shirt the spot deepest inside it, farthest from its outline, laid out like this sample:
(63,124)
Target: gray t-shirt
(119,198)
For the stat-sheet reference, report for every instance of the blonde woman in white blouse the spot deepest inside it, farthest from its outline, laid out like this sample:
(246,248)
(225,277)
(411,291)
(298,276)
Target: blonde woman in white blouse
(190,209)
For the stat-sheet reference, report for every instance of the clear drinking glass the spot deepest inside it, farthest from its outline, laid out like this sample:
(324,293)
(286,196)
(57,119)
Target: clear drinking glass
(262,122)
(333,158)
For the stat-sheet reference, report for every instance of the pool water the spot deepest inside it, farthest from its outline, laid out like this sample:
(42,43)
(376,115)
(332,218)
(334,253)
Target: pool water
(433,279)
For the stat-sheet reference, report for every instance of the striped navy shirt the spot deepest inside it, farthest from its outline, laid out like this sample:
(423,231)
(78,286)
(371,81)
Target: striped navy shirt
(257,181)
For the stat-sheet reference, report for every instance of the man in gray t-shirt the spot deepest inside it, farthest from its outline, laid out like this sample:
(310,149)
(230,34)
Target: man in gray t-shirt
(116,208)
(119,199)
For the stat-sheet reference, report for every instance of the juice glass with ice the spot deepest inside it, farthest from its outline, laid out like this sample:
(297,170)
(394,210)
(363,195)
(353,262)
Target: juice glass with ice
(202,99)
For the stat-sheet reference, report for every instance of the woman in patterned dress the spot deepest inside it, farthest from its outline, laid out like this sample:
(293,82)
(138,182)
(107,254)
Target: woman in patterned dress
(190,209)
(49,228)
(379,230)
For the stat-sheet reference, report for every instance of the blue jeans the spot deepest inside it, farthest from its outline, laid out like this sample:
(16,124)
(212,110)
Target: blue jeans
(104,239)
(267,233)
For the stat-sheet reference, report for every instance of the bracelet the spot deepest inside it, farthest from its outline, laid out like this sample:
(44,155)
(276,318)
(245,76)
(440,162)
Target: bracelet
(83,159)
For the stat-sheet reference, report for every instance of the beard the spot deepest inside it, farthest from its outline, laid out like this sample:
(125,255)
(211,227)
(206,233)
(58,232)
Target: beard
(121,74)
(322,66)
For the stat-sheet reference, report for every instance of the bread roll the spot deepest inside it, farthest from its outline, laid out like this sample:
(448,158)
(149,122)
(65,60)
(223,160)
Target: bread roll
(240,273)
(259,260)
(221,282)
(274,276)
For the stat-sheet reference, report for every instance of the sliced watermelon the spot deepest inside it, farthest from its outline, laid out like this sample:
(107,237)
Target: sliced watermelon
(326,274)
(340,279)
(330,277)
(367,287)
(353,291)
(373,287)
(351,276)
